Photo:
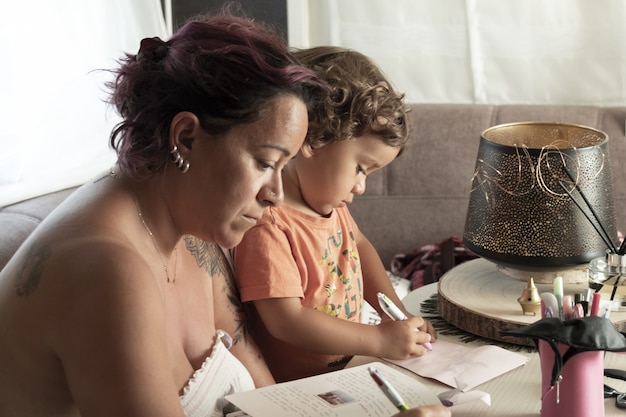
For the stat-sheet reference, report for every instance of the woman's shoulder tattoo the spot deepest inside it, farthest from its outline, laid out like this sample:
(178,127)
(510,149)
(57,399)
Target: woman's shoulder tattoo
(209,256)
(32,269)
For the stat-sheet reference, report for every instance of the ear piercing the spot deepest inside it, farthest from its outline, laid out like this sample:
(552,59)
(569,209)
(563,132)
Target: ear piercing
(177,158)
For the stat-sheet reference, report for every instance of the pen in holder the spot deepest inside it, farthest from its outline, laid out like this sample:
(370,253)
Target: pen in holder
(571,354)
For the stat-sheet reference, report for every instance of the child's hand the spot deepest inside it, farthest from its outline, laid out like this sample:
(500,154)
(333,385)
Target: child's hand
(403,339)
(426,411)
(428,328)
(425,327)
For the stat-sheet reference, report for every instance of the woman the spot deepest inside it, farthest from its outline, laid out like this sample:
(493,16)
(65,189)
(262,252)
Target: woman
(102,312)
(98,312)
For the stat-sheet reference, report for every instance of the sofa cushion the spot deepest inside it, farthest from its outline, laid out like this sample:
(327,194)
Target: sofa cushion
(17,221)
(422,197)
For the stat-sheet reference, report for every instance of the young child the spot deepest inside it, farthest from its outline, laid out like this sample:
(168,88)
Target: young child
(305,269)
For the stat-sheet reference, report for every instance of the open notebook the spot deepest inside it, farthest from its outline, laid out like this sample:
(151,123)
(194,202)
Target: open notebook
(349,392)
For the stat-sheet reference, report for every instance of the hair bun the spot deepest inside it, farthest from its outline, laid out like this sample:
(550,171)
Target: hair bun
(152,49)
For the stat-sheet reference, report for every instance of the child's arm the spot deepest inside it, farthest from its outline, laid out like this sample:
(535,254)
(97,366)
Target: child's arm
(375,280)
(288,320)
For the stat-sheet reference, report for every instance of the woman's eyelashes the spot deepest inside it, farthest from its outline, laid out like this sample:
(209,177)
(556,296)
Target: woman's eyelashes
(265,165)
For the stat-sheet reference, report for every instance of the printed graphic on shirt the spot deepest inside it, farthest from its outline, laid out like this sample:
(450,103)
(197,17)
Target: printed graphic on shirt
(343,289)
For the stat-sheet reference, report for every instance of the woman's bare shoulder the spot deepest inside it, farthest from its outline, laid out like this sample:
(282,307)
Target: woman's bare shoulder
(76,272)
(75,299)
(86,254)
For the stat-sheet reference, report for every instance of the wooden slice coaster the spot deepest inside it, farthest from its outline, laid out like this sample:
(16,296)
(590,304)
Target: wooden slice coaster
(477,297)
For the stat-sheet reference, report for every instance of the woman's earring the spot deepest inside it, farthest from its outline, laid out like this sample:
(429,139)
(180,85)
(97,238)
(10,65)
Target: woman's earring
(177,158)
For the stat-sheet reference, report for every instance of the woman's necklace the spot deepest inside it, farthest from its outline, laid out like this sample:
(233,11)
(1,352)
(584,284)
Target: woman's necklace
(156,247)
(114,175)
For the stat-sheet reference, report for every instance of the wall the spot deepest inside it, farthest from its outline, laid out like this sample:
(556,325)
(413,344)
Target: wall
(481,51)
(273,12)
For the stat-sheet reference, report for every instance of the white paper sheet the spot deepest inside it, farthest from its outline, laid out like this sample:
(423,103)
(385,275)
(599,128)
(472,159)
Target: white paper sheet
(461,366)
(350,392)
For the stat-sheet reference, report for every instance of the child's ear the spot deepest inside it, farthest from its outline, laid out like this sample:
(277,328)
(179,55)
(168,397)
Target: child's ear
(307,150)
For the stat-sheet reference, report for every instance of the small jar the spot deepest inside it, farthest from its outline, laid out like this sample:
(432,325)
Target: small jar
(608,270)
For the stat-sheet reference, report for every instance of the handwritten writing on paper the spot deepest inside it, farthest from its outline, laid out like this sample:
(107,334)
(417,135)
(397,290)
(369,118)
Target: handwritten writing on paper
(349,392)
(461,366)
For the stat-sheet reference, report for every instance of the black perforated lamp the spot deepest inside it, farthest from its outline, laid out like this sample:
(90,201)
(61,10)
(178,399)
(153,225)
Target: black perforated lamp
(542,196)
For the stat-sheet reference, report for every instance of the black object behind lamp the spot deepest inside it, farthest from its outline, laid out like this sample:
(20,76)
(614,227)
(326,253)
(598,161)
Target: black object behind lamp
(542,196)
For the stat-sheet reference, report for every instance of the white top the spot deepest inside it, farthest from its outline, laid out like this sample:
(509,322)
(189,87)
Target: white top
(221,374)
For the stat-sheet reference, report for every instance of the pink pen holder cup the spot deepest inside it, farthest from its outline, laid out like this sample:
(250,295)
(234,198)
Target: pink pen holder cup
(579,392)
(571,354)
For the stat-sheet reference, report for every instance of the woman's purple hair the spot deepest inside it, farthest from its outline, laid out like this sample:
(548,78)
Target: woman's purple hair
(222,68)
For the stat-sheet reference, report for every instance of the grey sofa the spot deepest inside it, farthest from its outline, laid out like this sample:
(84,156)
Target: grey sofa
(421,197)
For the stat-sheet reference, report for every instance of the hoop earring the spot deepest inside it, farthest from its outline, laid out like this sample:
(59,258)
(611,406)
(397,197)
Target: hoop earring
(177,158)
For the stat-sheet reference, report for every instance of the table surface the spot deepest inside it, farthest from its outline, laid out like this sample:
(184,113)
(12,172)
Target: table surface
(516,393)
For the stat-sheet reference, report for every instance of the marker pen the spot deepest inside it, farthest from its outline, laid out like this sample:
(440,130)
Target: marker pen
(568,307)
(395,313)
(551,304)
(558,293)
(579,313)
(595,304)
(388,390)
(586,301)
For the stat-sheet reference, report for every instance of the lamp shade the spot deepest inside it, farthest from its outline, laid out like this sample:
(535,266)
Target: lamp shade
(542,196)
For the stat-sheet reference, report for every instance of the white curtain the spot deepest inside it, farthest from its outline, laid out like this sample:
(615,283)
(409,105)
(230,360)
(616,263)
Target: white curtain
(480,51)
(55,124)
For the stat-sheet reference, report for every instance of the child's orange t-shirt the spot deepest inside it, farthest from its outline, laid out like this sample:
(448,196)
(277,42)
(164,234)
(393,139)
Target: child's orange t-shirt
(292,254)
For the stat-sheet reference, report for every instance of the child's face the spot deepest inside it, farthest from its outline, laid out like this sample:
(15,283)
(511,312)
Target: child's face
(335,173)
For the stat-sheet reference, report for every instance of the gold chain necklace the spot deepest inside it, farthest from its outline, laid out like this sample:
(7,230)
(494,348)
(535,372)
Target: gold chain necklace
(156,247)
(114,175)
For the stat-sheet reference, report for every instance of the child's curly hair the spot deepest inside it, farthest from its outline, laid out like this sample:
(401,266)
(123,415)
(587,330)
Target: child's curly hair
(362,100)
